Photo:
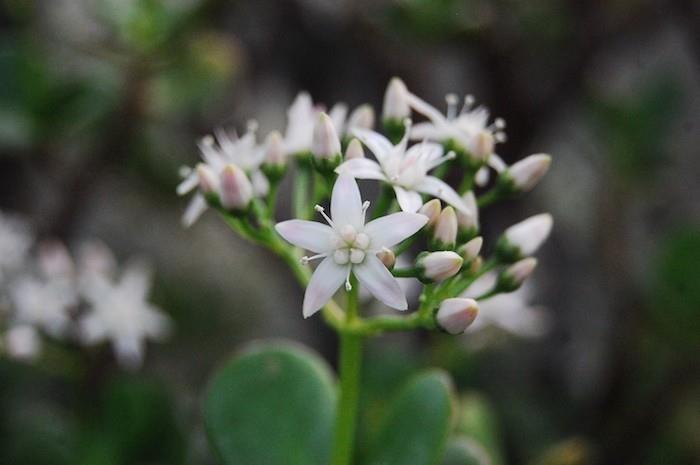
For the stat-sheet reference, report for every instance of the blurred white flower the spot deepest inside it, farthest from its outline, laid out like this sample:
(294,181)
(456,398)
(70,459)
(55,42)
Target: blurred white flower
(512,312)
(406,170)
(301,119)
(119,312)
(21,342)
(43,302)
(15,240)
(348,245)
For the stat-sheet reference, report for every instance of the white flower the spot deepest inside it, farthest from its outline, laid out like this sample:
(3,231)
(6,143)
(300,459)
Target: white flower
(438,266)
(471,249)
(22,342)
(469,219)
(43,303)
(354,150)
(348,245)
(217,153)
(445,233)
(120,313)
(510,312)
(301,119)
(325,142)
(527,172)
(528,235)
(361,117)
(431,209)
(469,129)
(405,170)
(396,101)
(15,241)
(455,315)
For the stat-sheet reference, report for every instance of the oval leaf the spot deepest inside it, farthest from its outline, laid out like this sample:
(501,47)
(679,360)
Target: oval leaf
(417,424)
(272,405)
(462,450)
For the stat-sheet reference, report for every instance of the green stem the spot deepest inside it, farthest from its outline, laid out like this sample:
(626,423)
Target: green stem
(405,272)
(350,362)
(489,197)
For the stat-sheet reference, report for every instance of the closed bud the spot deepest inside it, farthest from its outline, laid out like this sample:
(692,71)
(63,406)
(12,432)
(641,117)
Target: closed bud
(432,210)
(516,274)
(275,153)
(455,315)
(354,150)
(438,266)
(445,234)
(325,144)
(396,101)
(526,173)
(236,189)
(362,117)
(483,146)
(387,257)
(475,265)
(471,249)
(469,220)
(524,238)
(208,182)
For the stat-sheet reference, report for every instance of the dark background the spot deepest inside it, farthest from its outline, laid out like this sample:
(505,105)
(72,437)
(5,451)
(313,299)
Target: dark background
(102,101)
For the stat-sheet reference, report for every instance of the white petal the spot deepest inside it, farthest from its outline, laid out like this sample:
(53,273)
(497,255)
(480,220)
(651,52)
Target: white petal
(392,229)
(482,176)
(425,130)
(438,188)
(409,201)
(129,351)
(194,210)
(261,185)
(327,278)
(362,168)
(427,151)
(424,108)
(309,235)
(188,184)
(136,280)
(380,282)
(346,203)
(377,143)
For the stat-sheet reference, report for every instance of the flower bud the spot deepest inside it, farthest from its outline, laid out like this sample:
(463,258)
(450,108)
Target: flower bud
(469,220)
(526,173)
(516,274)
(208,182)
(445,234)
(455,315)
(471,249)
(387,257)
(354,150)
(361,117)
(236,189)
(396,101)
(438,266)
(325,143)
(432,210)
(275,153)
(524,238)
(483,146)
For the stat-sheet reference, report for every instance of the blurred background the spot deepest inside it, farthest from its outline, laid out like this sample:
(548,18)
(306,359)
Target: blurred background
(101,101)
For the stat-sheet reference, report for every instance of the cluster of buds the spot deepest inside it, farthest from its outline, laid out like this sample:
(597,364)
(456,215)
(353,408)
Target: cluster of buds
(409,159)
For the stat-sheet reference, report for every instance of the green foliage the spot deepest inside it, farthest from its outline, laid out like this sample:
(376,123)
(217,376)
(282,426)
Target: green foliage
(418,422)
(462,450)
(478,421)
(274,404)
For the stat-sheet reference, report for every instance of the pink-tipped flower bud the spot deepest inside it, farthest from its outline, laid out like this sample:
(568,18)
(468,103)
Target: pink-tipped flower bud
(516,274)
(325,144)
(471,249)
(396,101)
(469,220)
(431,209)
(445,233)
(387,257)
(438,266)
(527,172)
(361,117)
(208,182)
(483,146)
(275,153)
(354,150)
(236,189)
(528,235)
(455,315)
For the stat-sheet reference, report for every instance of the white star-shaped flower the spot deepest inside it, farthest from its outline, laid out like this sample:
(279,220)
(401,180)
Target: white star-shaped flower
(218,152)
(348,245)
(120,313)
(406,170)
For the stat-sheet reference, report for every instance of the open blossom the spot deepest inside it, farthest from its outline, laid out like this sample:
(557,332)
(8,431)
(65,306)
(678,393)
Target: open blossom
(469,128)
(348,245)
(120,313)
(217,153)
(15,241)
(361,117)
(43,302)
(406,170)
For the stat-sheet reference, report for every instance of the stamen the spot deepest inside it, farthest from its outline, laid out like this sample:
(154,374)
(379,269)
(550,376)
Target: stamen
(348,286)
(404,140)
(252,125)
(452,101)
(500,136)
(451,155)
(500,123)
(207,140)
(322,211)
(306,259)
(365,206)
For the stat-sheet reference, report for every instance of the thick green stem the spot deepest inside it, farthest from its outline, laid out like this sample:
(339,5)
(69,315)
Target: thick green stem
(350,363)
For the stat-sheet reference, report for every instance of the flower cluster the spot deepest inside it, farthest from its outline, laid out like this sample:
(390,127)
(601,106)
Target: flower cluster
(417,214)
(85,300)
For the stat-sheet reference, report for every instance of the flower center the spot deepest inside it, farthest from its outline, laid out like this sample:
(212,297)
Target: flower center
(350,246)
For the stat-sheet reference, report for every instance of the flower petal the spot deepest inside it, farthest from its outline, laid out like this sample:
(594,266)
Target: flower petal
(438,188)
(424,108)
(389,230)
(362,168)
(409,201)
(261,186)
(327,278)
(188,184)
(194,210)
(380,282)
(309,235)
(377,143)
(425,130)
(346,203)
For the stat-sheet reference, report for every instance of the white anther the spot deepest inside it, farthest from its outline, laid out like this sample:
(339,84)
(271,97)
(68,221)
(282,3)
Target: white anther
(357,256)
(362,241)
(348,233)
(341,256)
